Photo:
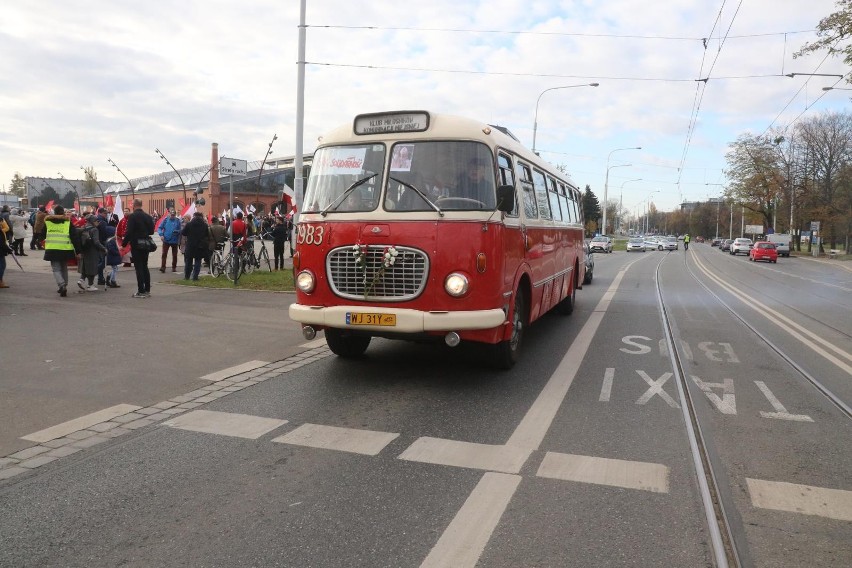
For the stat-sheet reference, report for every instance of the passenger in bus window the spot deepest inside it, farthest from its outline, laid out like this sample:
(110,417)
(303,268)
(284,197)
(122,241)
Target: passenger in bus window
(476,183)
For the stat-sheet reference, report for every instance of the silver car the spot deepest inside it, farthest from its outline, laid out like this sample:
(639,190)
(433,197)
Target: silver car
(636,244)
(741,246)
(601,243)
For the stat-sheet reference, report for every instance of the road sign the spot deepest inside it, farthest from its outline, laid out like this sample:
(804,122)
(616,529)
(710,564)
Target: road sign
(815,226)
(232,167)
(754,229)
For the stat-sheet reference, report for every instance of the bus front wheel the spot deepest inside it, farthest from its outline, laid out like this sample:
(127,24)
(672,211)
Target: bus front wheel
(508,352)
(344,344)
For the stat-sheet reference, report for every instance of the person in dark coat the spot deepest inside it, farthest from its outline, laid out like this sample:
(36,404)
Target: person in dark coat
(89,258)
(279,237)
(197,245)
(140,226)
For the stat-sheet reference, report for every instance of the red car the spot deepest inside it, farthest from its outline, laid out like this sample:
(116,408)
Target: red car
(763,250)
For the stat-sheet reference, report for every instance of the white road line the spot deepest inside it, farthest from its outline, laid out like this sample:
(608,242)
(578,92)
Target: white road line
(225,423)
(366,442)
(606,388)
(535,424)
(505,459)
(465,538)
(780,411)
(225,373)
(80,423)
(804,499)
(604,471)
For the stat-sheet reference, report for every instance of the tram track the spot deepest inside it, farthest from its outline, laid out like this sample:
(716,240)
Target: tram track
(799,369)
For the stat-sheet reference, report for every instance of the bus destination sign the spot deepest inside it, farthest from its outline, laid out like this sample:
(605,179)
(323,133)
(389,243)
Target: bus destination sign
(392,122)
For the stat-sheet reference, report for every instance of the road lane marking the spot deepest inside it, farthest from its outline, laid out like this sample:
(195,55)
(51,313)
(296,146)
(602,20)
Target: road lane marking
(780,411)
(783,322)
(366,442)
(80,423)
(506,459)
(465,538)
(225,423)
(804,499)
(605,471)
(606,387)
(535,424)
(655,388)
(230,372)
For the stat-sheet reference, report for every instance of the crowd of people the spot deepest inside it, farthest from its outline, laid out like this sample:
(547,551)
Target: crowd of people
(98,239)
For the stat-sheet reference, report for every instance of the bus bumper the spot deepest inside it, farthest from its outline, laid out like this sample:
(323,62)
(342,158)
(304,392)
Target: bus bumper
(407,321)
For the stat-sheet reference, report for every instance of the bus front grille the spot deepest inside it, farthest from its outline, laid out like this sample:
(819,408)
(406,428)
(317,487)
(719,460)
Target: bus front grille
(404,280)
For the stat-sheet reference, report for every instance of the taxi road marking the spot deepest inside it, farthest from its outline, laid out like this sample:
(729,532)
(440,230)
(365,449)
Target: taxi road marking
(804,499)
(366,442)
(604,471)
(225,423)
(230,372)
(80,423)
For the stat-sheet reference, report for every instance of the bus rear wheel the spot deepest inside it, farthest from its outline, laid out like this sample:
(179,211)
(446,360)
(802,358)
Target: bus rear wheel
(508,352)
(566,306)
(344,344)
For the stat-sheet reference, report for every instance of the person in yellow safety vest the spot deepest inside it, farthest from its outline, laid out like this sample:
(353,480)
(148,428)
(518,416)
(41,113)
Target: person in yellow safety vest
(686,242)
(60,245)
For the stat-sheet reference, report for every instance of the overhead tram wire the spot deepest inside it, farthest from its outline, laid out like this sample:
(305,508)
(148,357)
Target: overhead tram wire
(526,32)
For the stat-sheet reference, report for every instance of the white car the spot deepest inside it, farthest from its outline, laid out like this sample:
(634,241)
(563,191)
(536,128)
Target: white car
(741,246)
(636,244)
(670,243)
(601,243)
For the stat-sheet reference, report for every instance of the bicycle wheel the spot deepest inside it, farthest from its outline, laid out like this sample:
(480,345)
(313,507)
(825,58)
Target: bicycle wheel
(263,258)
(217,264)
(249,262)
(232,267)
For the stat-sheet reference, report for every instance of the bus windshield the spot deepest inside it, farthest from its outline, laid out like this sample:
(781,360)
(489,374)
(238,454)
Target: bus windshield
(422,176)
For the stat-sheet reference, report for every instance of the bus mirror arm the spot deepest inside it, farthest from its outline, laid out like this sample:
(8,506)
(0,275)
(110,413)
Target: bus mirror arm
(506,198)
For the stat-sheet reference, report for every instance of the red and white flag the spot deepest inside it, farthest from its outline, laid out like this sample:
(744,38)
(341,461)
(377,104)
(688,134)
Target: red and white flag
(118,209)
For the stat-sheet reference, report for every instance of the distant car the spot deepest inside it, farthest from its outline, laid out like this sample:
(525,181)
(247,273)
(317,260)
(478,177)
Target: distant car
(670,243)
(763,250)
(636,244)
(740,246)
(782,243)
(601,243)
(716,242)
(590,264)
(699,239)
(726,245)
(651,243)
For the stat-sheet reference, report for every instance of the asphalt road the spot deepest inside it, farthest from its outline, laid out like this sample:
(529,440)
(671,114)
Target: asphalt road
(422,455)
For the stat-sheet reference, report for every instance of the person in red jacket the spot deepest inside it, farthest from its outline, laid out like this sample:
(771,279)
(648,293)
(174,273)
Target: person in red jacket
(238,231)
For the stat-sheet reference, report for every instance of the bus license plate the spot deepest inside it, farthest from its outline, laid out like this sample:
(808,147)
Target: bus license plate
(360,318)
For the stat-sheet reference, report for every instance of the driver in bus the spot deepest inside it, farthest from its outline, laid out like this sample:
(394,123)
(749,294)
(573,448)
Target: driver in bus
(475,183)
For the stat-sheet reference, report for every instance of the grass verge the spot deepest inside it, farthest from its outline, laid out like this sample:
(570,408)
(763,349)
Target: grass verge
(277,281)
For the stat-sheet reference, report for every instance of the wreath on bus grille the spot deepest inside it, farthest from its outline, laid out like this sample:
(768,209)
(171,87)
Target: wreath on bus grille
(389,255)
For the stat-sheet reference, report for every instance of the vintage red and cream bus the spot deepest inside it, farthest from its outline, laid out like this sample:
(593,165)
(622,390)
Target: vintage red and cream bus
(418,225)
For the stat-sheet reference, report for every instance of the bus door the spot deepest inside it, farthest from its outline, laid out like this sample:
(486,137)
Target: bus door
(513,233)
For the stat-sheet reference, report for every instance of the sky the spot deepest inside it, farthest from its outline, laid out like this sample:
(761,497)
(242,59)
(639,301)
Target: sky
(84,81)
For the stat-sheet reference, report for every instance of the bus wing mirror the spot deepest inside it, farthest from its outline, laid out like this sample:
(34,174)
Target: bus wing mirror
(506,198)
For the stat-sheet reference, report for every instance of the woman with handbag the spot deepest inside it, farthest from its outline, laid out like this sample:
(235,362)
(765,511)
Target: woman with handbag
(140,227)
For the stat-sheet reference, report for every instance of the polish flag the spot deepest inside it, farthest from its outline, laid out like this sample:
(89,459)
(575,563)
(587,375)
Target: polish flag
(188,210)
(251,209)
(49,206)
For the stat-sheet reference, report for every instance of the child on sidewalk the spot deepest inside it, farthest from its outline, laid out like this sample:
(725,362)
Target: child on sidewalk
(113,260)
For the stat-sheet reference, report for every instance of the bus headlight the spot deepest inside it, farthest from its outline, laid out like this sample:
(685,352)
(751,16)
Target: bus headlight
(305,281)
(456,285)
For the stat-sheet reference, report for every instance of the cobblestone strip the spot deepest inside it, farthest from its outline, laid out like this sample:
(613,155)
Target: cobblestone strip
(36,456)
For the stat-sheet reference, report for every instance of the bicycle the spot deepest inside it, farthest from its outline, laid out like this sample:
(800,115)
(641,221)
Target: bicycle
(254,260)
(217,261)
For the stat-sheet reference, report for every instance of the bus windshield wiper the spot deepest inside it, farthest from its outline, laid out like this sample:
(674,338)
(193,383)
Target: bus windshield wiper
(336,203)
(421,194)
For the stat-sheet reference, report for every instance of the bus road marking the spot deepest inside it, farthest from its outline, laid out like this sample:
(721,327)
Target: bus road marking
(605,471)
(365,442)
(803,499)
(467,534)
(80,423)
(780,412)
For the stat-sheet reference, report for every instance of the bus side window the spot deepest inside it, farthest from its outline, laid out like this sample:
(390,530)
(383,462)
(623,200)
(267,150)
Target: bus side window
(541,195)
(553,196)
(527,192)
(578,201)
(563,201)
(507,177)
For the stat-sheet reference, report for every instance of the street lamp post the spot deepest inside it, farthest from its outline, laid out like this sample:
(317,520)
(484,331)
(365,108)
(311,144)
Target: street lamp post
(603,222)
(621,201)
(606,180)
(132,193)
(263,163)
(535,120)
(183,185)
(718,208)
(74,189)
(98,184)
